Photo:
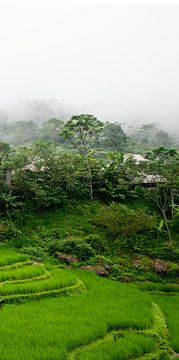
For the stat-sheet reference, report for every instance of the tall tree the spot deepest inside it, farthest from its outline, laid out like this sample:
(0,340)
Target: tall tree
(160,172)
(81,131)
(51,129)
(113,136)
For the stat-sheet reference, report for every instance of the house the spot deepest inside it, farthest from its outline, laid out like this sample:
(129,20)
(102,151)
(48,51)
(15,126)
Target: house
(143,179)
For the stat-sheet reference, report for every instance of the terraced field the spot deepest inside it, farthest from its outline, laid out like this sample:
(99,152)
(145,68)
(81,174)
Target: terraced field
(102,320)
(23,280)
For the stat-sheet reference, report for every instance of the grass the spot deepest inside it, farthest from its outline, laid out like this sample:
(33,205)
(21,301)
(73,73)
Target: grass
(130,346)
(110,320)
(53,327)
(70,222)
(26,272)
(170,308)
(9,256)
(157,287)
(59,279)
(16,265)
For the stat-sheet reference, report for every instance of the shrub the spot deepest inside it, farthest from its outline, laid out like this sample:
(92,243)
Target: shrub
(121,222)
(96,242)
(173,270)
(54,234)
(84,251)
(139,243)
(76,247)
(165,252)
(36,252)
(8,232)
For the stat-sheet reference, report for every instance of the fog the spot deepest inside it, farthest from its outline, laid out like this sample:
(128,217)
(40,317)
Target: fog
(118,63)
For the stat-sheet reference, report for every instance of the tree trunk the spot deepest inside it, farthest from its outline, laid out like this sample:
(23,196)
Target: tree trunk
(9,178)
(172,203)
(90,181)
(167,227)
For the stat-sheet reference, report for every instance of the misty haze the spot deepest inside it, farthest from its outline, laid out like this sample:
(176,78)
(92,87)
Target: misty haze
(118,63)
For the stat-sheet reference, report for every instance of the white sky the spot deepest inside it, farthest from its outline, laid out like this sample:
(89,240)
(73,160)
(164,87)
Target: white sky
(117,62)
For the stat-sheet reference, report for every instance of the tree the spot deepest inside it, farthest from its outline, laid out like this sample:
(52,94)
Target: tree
(51,129)
(162,138)
(151,135)
(113,136)
(22,132)
(161,174)
(4,151)
(81,131)
(115,184)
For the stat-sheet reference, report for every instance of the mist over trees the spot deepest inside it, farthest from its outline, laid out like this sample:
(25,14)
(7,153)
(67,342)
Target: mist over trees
(35,119)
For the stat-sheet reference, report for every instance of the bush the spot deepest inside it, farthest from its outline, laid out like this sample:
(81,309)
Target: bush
(54,234)
(121,222)
(36,252)
(84,251)
(8,232)
(137,244)
(76,247)
(97,243)
(165,252)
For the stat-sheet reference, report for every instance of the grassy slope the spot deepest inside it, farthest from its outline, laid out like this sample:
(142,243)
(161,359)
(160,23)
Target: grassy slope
(49,328)
(66,324)
(170,307)
(72,221)
(26,272)
(59,279)
(9,256)
(126,347)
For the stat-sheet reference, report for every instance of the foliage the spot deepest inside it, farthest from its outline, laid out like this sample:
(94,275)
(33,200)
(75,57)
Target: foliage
(77,247)
(81,131)
(160,174)
(113,137)
(164,251)
(8,232)
(36,252)
(98,243)
(52,178)
(121,222)
(151,135)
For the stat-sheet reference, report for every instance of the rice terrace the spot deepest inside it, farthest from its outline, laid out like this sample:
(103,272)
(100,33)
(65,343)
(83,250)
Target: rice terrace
(81,316)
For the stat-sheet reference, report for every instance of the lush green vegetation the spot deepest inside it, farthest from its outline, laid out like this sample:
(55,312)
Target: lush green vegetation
(24,273)
(8,257)
(127,347)
(170,308)
(59,324)
(76,199)
(104,319)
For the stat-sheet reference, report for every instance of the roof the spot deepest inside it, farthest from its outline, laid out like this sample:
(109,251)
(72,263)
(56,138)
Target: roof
(136,157)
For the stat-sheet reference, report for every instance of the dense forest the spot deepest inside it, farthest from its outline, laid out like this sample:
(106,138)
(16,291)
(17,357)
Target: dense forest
(86,160)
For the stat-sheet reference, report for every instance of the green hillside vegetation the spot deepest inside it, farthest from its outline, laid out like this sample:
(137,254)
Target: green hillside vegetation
(74,204)
(103,319)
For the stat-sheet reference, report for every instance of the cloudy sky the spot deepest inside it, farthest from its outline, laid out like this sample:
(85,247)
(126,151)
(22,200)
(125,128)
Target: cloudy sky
(118,62)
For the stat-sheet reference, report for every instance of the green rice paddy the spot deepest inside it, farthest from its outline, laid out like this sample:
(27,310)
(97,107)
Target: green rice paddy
(80,316)
(130,346)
